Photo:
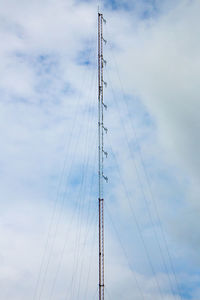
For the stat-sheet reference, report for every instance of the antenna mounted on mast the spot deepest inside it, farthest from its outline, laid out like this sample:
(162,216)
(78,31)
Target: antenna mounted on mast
(101,151)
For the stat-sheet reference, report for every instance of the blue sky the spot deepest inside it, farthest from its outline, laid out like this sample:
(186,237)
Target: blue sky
(48,162)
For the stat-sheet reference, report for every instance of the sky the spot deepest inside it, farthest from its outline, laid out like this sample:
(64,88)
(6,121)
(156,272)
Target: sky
(48,153)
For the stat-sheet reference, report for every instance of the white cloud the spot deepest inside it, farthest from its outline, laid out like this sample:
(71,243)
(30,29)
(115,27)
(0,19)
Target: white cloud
(163,66)
(47,110)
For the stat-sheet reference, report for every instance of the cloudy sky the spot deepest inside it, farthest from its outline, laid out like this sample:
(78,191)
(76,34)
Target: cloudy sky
(48,153)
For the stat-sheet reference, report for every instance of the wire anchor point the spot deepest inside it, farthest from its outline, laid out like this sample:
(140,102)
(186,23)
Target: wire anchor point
(105,178)
(105,153)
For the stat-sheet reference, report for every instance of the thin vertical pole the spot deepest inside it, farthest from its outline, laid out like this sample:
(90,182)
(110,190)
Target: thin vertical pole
(101,176)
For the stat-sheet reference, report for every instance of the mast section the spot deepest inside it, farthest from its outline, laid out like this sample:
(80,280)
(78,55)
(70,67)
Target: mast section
(101,152)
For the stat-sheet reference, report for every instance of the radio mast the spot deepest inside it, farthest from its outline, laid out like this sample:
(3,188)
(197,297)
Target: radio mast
(101,152)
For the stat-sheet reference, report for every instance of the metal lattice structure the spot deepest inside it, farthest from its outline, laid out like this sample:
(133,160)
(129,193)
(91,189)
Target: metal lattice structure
(101,151)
